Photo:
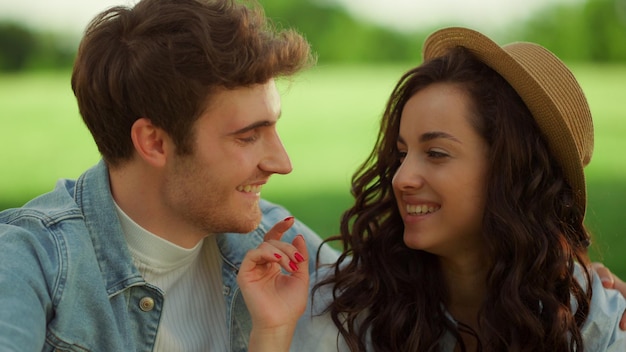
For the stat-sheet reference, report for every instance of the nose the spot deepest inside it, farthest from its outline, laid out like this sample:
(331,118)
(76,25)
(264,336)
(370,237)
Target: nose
(408,176)
(276,159)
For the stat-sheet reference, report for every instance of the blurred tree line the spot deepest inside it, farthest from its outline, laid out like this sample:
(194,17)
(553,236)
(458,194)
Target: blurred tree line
(24,48)
(594,30)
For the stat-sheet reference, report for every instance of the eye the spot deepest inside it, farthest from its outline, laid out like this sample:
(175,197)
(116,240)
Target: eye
(436,154)
(249,137)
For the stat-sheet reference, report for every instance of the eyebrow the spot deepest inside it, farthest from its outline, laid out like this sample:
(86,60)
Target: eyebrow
(429,136)
(257,124)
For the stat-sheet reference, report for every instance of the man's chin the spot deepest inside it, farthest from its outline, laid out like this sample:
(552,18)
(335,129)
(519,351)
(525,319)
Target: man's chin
(251,223)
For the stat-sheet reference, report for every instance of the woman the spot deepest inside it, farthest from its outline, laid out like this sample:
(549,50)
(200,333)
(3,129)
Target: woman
(467,229)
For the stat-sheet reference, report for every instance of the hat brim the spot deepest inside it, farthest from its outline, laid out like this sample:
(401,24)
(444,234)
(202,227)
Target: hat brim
(535,74)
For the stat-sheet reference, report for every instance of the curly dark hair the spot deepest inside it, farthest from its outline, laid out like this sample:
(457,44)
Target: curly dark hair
(394,297)
(162,58)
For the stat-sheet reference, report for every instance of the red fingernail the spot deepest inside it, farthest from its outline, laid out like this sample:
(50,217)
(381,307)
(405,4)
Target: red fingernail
(293,266)
(299,257)
(278,256)
(288,218)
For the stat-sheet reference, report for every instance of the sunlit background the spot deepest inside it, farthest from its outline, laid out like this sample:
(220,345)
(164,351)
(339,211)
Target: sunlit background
(402,15)
(330,113)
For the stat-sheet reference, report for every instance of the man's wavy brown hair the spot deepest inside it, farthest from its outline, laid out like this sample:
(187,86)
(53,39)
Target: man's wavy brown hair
(162,58)
(392,298)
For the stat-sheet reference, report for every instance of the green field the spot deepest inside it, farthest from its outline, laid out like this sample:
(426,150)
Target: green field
(330,117)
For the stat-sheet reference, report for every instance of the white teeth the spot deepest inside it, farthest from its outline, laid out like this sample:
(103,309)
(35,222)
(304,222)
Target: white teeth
(249,188)
(420,209)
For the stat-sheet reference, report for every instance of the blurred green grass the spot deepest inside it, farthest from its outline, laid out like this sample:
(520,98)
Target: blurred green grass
(329,123)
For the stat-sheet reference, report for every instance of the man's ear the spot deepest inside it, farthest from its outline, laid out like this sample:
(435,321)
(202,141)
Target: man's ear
(151,142)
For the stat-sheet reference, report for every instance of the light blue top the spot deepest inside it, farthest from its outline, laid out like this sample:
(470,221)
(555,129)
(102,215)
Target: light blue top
(601,330)
(67,281)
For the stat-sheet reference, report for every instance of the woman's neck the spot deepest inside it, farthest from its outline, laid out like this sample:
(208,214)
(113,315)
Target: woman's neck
(466,281)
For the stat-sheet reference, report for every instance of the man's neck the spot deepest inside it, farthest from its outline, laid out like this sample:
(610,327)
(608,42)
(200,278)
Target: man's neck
(135,189)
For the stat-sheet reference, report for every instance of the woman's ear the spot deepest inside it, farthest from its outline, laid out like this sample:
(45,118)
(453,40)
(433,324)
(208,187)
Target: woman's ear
(151,142)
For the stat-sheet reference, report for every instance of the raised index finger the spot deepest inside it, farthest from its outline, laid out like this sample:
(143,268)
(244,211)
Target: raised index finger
(277,231)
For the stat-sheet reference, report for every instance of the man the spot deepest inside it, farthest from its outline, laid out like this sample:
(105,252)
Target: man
(142,252)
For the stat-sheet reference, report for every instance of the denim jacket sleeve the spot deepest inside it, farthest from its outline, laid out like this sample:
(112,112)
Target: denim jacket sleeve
(27,289)
(65,288)
(52,293)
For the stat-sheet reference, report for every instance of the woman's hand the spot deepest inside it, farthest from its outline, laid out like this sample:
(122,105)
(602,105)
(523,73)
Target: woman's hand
(274,281)
(611,281)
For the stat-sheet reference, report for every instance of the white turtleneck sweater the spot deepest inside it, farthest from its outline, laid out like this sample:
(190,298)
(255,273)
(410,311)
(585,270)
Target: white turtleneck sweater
(194,311)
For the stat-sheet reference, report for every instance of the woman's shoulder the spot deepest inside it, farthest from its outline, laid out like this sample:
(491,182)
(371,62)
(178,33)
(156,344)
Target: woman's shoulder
(601,330)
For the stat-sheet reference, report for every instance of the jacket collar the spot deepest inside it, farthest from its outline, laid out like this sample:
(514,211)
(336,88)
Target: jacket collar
(93,196)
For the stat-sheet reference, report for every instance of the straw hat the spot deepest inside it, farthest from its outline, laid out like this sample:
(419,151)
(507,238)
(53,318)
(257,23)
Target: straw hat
(548,88)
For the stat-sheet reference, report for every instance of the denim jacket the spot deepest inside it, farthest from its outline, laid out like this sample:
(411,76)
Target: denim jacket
(67,282)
